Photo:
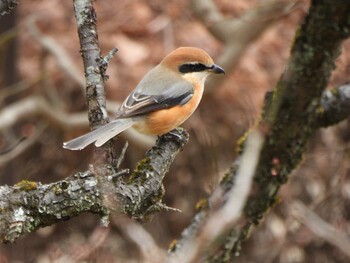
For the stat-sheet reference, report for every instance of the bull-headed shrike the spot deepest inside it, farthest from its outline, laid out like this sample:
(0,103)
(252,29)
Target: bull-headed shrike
(166,96)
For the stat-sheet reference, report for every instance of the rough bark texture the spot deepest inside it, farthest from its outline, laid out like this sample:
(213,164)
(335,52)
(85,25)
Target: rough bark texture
(27,206)
(90,52)
(6,6)
(291,116)
(94,68)
(335,106)
(293,111)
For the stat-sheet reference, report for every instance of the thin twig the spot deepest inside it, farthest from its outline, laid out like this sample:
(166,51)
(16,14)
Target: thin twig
(22,146)
(38,106)
(150,251)
(104,62)
(61,56)
(320,227)
(237,33)
(65,62)
(122,154)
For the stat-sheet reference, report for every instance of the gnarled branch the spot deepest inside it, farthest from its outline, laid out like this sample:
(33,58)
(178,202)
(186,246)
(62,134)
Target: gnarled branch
(291,117)
(27,206)
(6,6)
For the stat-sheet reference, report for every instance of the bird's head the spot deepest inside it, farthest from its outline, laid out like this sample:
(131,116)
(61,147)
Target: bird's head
(191,63)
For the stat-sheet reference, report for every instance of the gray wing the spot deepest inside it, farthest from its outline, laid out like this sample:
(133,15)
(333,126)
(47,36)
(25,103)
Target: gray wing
(156,92)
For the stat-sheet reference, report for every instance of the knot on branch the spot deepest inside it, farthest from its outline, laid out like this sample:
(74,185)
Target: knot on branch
(103,62)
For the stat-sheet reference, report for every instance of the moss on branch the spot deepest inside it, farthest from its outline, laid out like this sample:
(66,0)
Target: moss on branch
(290,117)
(28,206)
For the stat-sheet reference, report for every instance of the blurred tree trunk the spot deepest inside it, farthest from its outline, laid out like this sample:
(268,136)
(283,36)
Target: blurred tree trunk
(8,52)
(8,71)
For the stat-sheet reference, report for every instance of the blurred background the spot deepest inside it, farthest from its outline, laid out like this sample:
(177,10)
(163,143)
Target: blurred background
(43,104)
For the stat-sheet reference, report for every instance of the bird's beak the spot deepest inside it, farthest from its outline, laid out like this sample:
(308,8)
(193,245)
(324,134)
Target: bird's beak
(217,70)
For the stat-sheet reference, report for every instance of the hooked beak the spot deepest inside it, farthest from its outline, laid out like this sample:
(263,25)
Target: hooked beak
(217,70)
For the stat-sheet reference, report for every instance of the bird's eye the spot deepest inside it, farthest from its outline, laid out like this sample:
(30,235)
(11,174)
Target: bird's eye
(192,67)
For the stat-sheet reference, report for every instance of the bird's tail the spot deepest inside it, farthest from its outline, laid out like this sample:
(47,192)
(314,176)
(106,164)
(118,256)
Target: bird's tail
(100,136)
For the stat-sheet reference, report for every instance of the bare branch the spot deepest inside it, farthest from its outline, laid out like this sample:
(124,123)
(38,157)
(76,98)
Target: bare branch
(38,106)
(68,66)
(61,56)
(220,221)
(104,62)
(335,106)
(320,227)
(95,241)
(28,206)
(237,33)
(6,6)
(290,117)
(90,51)
(21,147)
(150,251)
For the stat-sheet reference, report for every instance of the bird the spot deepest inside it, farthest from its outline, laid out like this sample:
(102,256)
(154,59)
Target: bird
(164,98)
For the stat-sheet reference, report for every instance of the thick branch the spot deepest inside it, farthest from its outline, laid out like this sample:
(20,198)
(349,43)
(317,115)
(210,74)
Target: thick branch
(293,113)
(6,6)
(28,206)
(335,106)
(291,117)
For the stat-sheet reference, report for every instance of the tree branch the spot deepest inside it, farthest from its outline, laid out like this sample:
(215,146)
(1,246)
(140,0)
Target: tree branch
(27,206)
(90,52)
(69,67)
(63,59)
(22,146)
(6,6)
(335,106)
(237,33)
(320,227)
(291,118)
(36,106)
(230,212)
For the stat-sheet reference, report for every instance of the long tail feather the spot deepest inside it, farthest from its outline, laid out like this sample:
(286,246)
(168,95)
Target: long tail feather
(100,135)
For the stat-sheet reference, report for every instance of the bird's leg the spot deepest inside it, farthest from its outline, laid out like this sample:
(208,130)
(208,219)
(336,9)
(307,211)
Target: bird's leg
(178,135)
(174,135)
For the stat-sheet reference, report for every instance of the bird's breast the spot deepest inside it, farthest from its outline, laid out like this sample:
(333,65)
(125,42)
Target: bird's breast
(163,121)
